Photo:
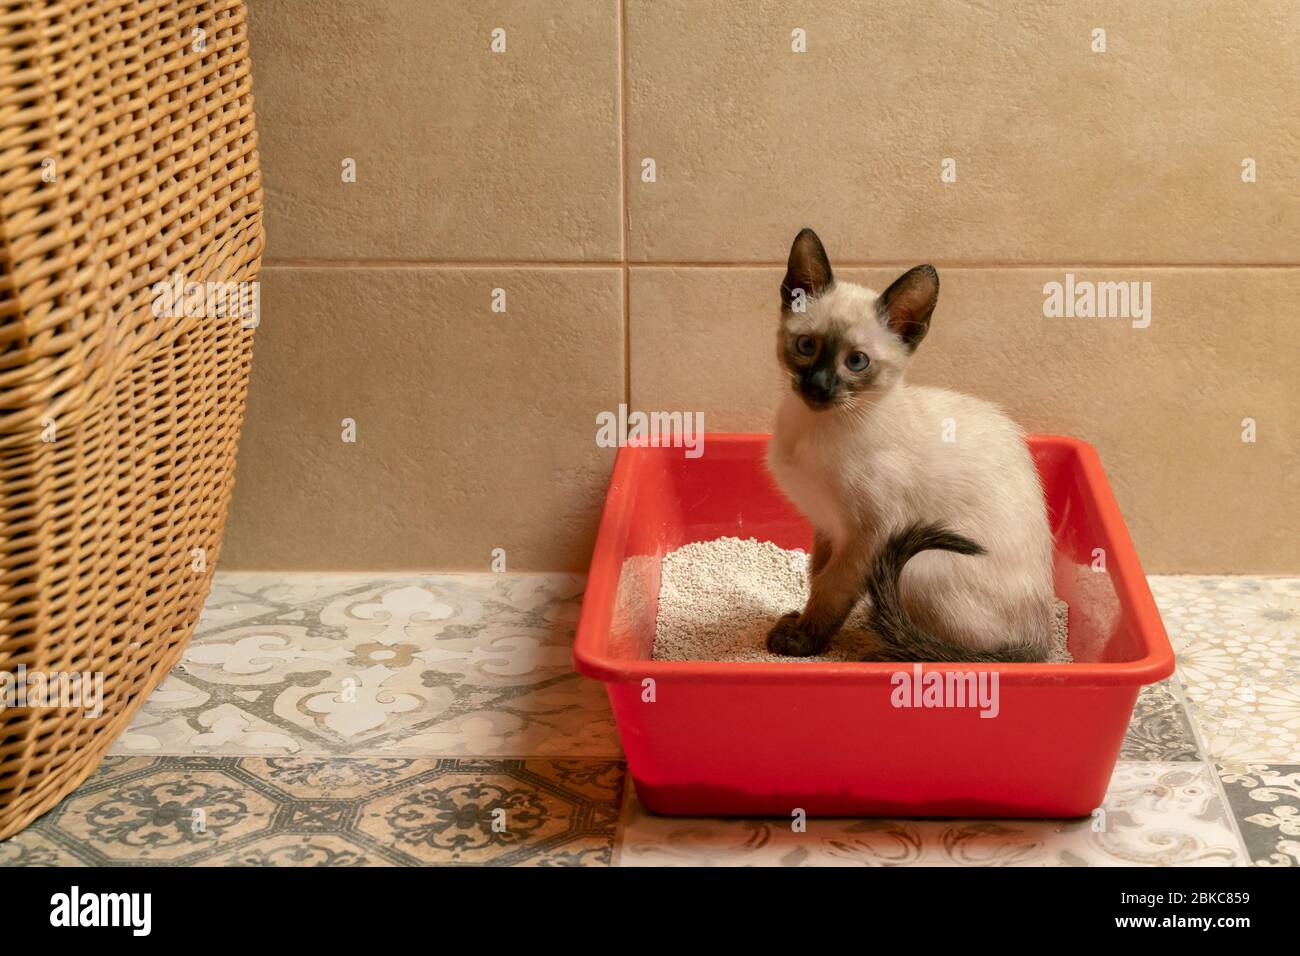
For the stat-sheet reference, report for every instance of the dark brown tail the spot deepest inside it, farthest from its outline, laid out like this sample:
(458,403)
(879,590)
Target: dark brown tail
(904,640)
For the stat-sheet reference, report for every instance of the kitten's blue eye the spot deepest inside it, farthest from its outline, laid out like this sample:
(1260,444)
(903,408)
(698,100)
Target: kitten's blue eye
(857,361)
(805,345)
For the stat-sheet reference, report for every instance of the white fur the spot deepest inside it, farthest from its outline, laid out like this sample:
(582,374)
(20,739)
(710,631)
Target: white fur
(879,462)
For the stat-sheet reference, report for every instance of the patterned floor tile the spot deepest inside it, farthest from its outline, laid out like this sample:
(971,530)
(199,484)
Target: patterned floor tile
(32,848)
(303,811)
(1265,799)
(1155,814)
(301,727)
(557,814)
(412,665)
(1160,729)
(1237,640)
(308,849)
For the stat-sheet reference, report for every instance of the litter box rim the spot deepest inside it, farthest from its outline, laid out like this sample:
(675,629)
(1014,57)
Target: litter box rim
(1123,565)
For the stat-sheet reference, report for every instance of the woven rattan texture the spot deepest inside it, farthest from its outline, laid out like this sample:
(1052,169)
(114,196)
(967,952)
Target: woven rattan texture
(127,158)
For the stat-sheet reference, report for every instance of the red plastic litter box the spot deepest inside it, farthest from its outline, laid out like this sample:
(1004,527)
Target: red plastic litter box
(765,739)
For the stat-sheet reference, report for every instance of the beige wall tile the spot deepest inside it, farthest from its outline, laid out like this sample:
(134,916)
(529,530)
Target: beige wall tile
(474,430)
(461,154)
(1164,404)
(477,430)
(1133,155)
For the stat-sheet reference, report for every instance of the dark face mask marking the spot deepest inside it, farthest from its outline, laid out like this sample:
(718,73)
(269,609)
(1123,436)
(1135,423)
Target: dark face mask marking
(820,383)
(816,378)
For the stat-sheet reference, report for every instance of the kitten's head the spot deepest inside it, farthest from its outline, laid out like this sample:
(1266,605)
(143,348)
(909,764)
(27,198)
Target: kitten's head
(843,344)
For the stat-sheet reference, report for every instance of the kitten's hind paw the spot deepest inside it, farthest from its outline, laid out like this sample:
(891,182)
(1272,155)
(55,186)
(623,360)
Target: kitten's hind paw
(787,639)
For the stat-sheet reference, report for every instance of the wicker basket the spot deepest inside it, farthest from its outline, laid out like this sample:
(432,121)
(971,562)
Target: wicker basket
(128,161)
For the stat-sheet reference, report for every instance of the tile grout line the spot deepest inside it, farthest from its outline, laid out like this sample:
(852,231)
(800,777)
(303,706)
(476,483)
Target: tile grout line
(1207,759)
(1211,765)
(624,206)
(366,754)
(625,263)
(961,264)
(620,825)
(381,263)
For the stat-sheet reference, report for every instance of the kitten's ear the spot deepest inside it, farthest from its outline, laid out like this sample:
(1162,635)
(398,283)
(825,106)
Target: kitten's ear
(905,307)
(808,269)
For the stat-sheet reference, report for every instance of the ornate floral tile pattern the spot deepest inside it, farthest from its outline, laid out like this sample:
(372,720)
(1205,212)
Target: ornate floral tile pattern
(412,665)
(1266,802)
(1238,645)
(306,811)
(1155,814)
(354,720)
(1160,729)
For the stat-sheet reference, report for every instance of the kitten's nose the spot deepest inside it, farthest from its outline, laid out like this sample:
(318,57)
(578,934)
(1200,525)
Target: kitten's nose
(816,392)
(815,388)
(818,385)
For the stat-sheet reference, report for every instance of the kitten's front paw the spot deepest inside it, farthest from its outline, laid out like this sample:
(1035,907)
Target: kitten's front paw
(787,639)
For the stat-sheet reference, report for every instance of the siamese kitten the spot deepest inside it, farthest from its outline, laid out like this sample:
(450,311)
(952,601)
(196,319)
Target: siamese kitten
(924,500)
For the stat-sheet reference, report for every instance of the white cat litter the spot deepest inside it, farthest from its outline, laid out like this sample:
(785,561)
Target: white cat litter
(718,599)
